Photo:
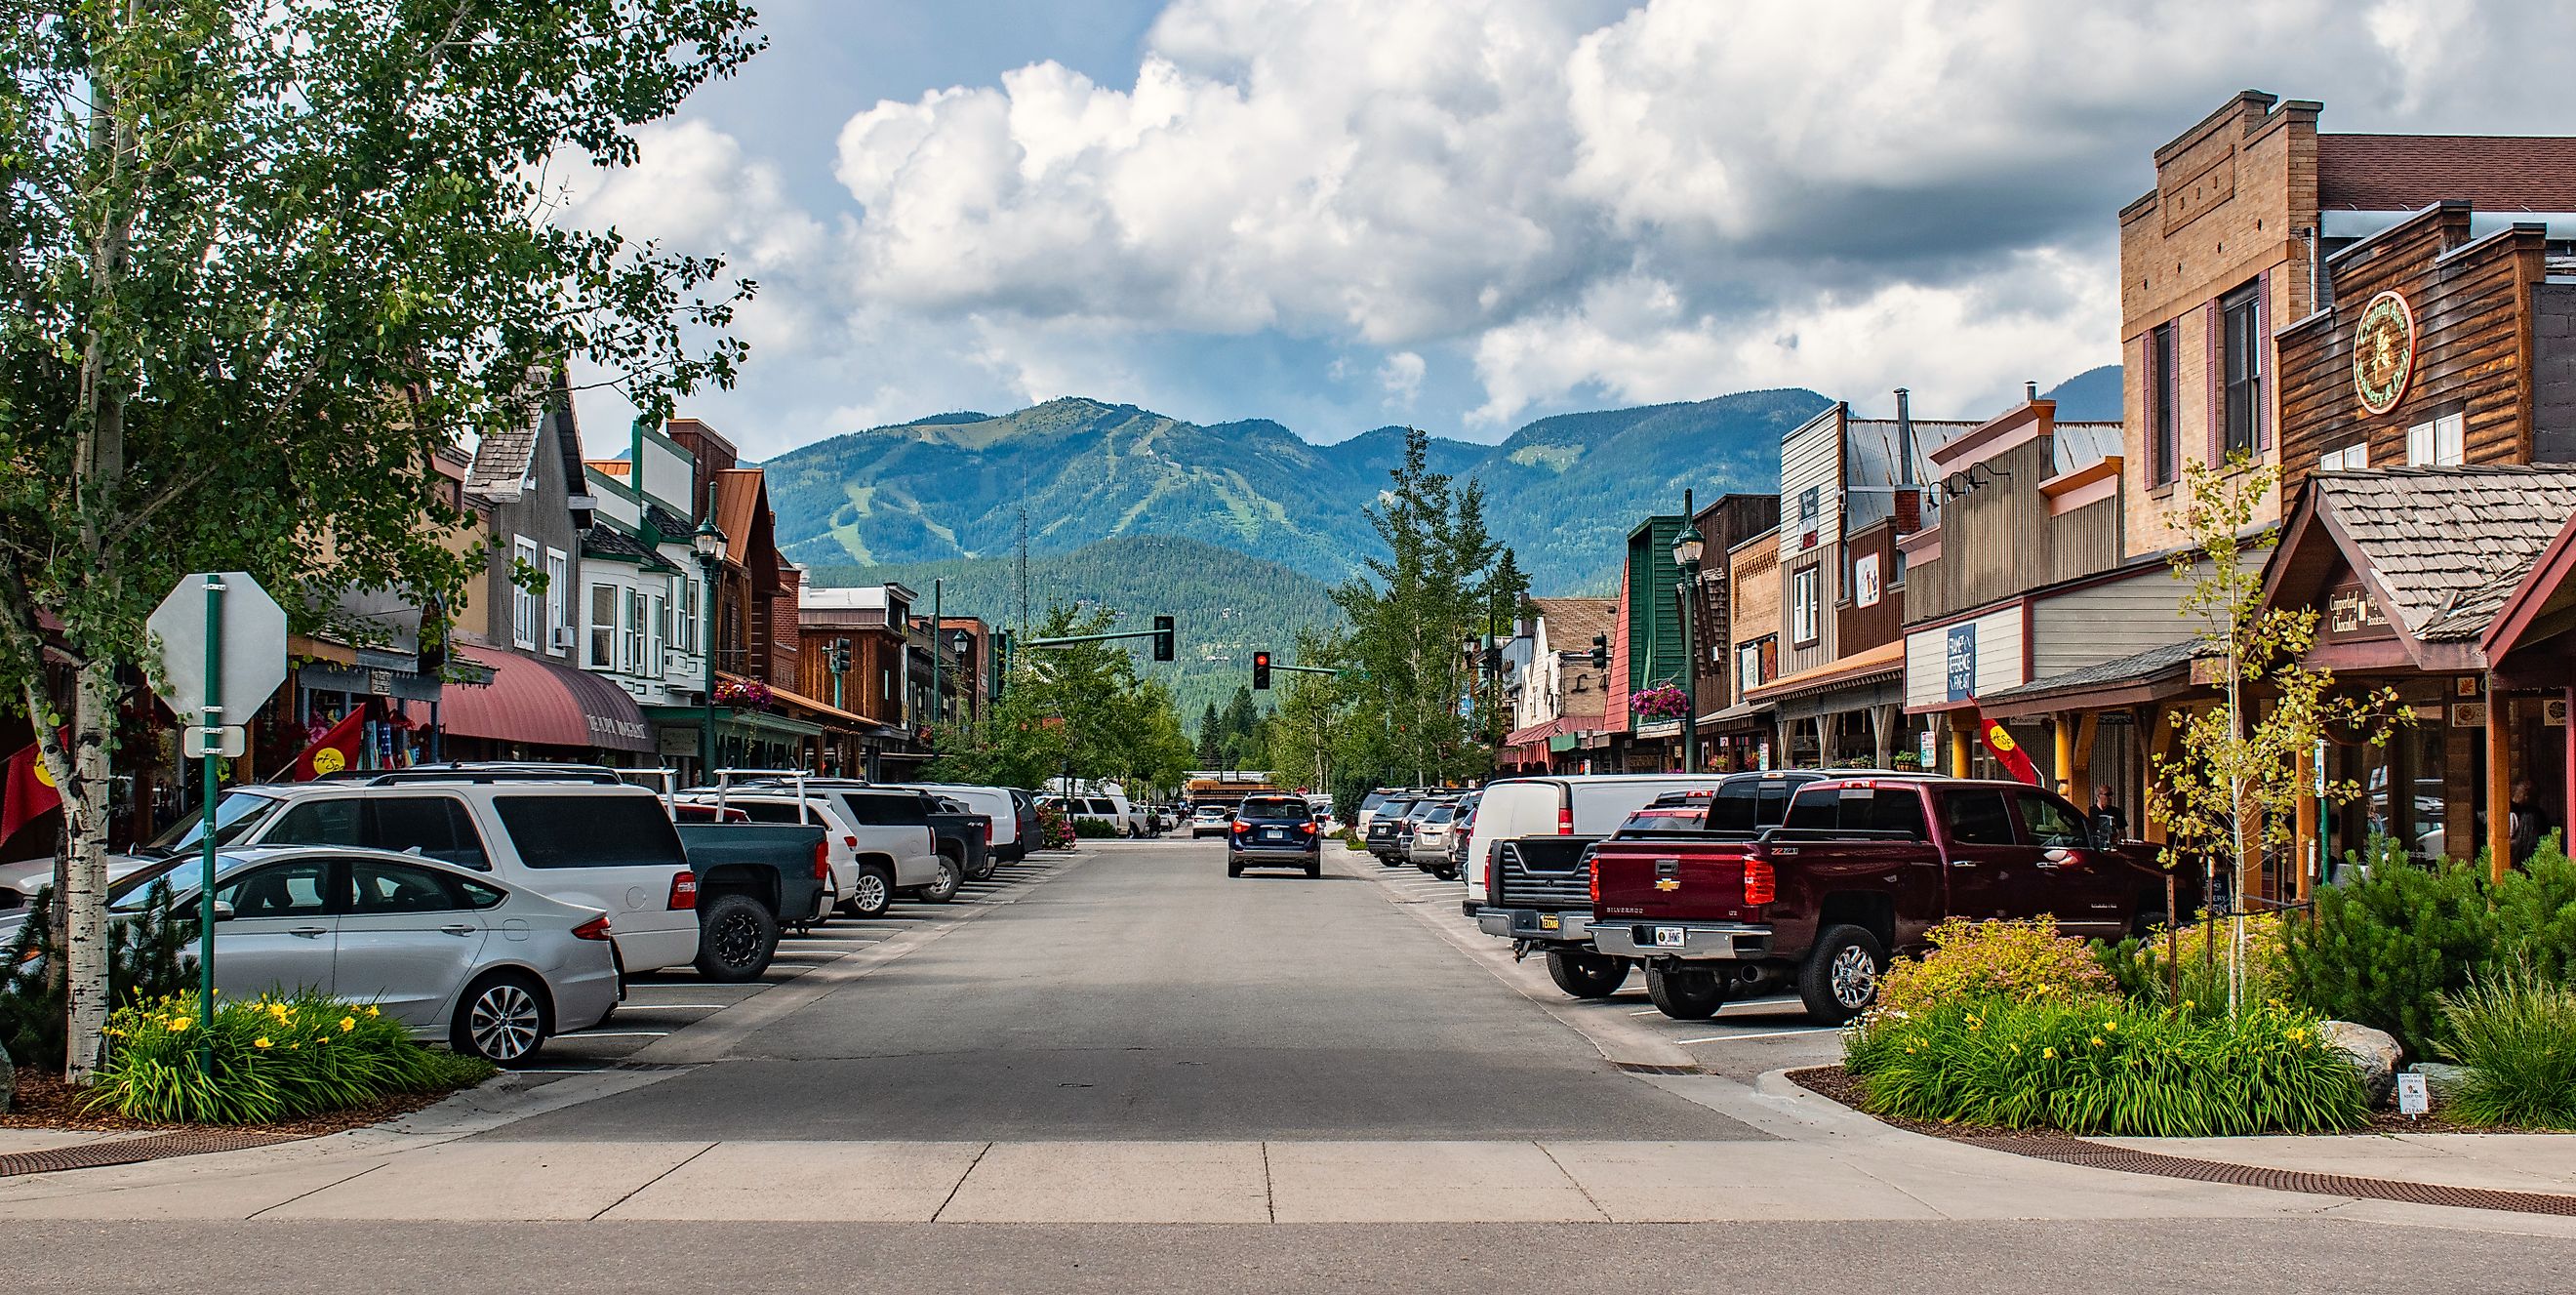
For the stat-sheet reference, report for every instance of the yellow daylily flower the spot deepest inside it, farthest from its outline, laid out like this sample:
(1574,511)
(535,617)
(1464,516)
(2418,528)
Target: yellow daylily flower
(2049,1054)
(348,1023)
(2097,1040)
(371,1010)
(260,1042)
(2110,1025)
(178,1025)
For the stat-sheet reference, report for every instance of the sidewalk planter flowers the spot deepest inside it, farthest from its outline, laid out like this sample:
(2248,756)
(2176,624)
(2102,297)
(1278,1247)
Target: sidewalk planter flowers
(1055,831)
(274,1059)
(1663,701)
(2105,1068)
(2021,961)
(2515,1032)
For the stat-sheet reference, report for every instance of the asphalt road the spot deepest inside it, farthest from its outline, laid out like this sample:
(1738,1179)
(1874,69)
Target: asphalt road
(1144,995)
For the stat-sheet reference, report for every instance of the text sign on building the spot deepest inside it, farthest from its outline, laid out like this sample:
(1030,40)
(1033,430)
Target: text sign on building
(1959,661)
(1810,508)
(1866,586)
(2351,610)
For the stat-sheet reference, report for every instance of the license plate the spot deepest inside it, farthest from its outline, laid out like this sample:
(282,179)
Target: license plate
(1274,836)
(1669,937)
(1550,922)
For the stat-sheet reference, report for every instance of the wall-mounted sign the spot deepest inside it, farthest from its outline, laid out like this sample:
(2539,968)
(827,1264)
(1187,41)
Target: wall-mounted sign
(2351,610)
(1959,661)
(2383,352)
(2553,712)
(1866,586)
(2468,714)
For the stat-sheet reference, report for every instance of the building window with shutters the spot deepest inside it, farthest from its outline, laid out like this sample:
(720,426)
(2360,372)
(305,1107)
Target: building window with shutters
(558,601)
(1803,607)
(635,609)
(2241,360)
(524,607)
(654,638)
(2164,392)
(603,627)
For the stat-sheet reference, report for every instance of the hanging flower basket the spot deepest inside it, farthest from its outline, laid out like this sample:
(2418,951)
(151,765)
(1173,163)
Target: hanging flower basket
(744,694)
(1663,701)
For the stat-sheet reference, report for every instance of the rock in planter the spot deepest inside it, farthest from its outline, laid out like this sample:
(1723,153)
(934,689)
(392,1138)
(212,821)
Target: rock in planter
(2373,1052)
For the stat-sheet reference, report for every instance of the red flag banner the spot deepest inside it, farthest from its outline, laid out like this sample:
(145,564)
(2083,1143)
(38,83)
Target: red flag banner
(2000,741)
(336,749)
(26,792)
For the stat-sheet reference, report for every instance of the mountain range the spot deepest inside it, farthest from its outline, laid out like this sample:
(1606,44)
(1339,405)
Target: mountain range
(1562,491)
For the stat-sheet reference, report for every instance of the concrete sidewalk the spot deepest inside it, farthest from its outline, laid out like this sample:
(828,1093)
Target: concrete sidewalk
(2513,1162)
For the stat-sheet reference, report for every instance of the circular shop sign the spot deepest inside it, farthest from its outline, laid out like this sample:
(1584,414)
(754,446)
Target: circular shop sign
(2383,352)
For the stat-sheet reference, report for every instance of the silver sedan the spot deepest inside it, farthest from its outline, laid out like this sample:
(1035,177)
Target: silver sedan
(453,953)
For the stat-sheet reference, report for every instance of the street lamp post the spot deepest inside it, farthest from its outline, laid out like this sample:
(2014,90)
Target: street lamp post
(708,542)
(1687,549)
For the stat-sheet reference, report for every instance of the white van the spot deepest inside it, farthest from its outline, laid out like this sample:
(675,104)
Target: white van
(995,803)
(1592,804)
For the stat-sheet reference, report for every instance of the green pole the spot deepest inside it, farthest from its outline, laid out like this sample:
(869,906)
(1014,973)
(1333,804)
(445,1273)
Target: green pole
(211,721)
(937,615)
(708,565)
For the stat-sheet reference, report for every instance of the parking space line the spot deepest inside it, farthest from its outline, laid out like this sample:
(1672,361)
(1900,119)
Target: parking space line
(1774,1034)
(615,1034)
(675,1007)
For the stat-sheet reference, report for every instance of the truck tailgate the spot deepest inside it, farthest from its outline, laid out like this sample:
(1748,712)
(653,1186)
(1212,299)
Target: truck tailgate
(1678,880)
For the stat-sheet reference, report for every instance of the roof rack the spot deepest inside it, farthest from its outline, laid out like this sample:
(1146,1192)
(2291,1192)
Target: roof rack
(470,772)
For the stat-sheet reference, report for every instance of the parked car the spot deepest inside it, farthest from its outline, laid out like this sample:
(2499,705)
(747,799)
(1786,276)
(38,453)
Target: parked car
(880,838)
(1005,806)
(1428,849)
(963,838)
(571,833)
(1210,820)
(491,968)
(1274,832)
(1859,870)
(1384,836)
(1461,825)
(1560,805)
(1111,810)
(1537,889)
(1370,804)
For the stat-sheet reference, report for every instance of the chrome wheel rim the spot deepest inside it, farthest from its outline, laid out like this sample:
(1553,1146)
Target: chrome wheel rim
(503,1023)
(1855,976)
(947,883)
(869,892)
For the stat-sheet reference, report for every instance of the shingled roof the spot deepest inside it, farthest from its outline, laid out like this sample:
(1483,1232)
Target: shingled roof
(2449,544)
(2407,172)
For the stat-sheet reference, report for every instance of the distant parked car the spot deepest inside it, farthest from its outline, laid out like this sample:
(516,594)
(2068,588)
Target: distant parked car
(1274,832)
(1210,820)
(492,968)
(1429,847)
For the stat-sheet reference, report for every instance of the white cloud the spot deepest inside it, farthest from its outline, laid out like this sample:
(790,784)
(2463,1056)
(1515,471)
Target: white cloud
(1670,202)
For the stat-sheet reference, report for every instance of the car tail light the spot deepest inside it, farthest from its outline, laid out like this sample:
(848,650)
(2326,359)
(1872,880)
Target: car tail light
(1596,881)
(1307,828)
(1760,887)
(684,890)
(594,929)
(822,862)
(988,832)
(1565,820)
(1241,828)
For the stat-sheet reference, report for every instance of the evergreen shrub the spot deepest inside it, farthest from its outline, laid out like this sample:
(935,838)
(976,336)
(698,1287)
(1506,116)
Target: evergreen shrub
(150,955)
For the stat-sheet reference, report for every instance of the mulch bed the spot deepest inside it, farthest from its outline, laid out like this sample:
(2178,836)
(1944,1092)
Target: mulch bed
(44,1101)
(1845,1087)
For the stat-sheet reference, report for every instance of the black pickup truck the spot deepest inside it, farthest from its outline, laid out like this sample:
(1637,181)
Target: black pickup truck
(963,835)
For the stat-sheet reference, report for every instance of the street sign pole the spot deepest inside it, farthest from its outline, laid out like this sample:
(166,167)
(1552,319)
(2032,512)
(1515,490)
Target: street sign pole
(212,718)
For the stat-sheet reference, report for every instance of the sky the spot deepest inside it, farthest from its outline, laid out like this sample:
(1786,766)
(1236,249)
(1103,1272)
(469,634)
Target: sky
(1465,214)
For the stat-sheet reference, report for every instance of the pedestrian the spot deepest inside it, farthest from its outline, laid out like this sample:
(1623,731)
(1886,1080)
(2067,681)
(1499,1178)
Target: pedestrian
(2527,823)
(2111,821)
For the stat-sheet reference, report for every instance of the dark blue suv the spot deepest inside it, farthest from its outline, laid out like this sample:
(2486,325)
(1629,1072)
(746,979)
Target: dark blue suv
(1274,832)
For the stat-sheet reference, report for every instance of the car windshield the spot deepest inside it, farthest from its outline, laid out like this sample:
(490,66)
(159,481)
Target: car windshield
(129,893)
(237,815)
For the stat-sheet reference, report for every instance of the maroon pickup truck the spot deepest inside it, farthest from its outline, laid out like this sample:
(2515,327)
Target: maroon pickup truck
(1860,870)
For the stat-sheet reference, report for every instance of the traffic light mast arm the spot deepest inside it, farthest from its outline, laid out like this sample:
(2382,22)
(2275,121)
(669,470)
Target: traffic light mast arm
(1071,639)
(1308,669)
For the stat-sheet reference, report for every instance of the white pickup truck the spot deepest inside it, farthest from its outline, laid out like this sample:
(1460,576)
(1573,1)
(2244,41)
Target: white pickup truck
(879,838)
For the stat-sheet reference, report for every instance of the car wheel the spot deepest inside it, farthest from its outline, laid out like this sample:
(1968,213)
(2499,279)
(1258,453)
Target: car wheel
(736,937)
(1233,869)
(944,888)
(1840,978)
(871,892)
(1586,975)
(1314,868)
(985,873)
(1684,993)
(1388,862)
(503,1018)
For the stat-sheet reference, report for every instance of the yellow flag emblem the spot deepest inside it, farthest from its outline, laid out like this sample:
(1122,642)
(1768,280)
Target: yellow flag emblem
(329,760)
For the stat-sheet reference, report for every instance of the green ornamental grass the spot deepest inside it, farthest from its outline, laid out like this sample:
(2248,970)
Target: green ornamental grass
(2106,1068)
(275,1058)
(2515,1031)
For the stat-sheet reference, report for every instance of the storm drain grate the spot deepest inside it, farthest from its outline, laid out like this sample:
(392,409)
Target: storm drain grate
(1648,1068)
(131,1151)
(2075,1151)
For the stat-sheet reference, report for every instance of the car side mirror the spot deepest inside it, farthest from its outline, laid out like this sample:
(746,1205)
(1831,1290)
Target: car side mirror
(223,911)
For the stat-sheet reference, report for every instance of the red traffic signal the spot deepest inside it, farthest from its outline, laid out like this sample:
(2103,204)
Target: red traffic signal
(1260,670)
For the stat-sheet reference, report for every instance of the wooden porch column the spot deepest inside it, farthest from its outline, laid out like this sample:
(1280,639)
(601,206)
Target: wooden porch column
(2567,812)
(1959,745)
(2061,728)
(2306,838)
(2499,786)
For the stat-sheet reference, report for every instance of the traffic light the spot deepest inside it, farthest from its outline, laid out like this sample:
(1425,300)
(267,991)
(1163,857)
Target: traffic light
(1600,651)
(839,658)
(1260,670)
(1162,638)
(1001,661)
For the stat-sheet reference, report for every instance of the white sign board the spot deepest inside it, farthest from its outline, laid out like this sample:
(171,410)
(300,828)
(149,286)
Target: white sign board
(2412,1098)
(253,646)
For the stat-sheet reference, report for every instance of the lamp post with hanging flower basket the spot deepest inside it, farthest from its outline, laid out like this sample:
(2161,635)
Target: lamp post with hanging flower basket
(1663,701)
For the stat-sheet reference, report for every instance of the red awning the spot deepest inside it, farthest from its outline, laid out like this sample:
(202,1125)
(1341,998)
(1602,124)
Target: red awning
(542,704)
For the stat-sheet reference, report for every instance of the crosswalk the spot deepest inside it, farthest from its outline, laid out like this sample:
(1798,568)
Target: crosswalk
(660,1003)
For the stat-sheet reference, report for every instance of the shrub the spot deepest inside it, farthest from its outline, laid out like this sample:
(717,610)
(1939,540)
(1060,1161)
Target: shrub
(2383,951)
(2535,915)
(1092,829)
(1055,831)
(2138,965)
(2106,1068)
(2013,960)
(2515,1031)
(148,956)
(274,1059)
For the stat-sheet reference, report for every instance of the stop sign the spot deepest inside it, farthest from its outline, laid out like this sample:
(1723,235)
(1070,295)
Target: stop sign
(248,630)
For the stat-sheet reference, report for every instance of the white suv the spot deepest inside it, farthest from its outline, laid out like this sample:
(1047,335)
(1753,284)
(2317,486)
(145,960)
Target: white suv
(878,839)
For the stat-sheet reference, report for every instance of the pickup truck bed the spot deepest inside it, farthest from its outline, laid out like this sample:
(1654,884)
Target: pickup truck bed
(753,878)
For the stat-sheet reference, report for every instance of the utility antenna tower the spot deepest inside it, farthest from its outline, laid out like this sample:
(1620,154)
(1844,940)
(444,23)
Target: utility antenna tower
(1020,573)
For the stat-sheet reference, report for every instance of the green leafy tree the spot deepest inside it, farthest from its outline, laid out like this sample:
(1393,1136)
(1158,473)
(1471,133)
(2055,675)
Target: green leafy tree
(264,260)
(1303,740)
(1077,711)
(2231,791)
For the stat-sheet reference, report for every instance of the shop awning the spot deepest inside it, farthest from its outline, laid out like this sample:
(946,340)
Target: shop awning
(542,704)
(2153,675)
(1742,713)
(1868,666)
